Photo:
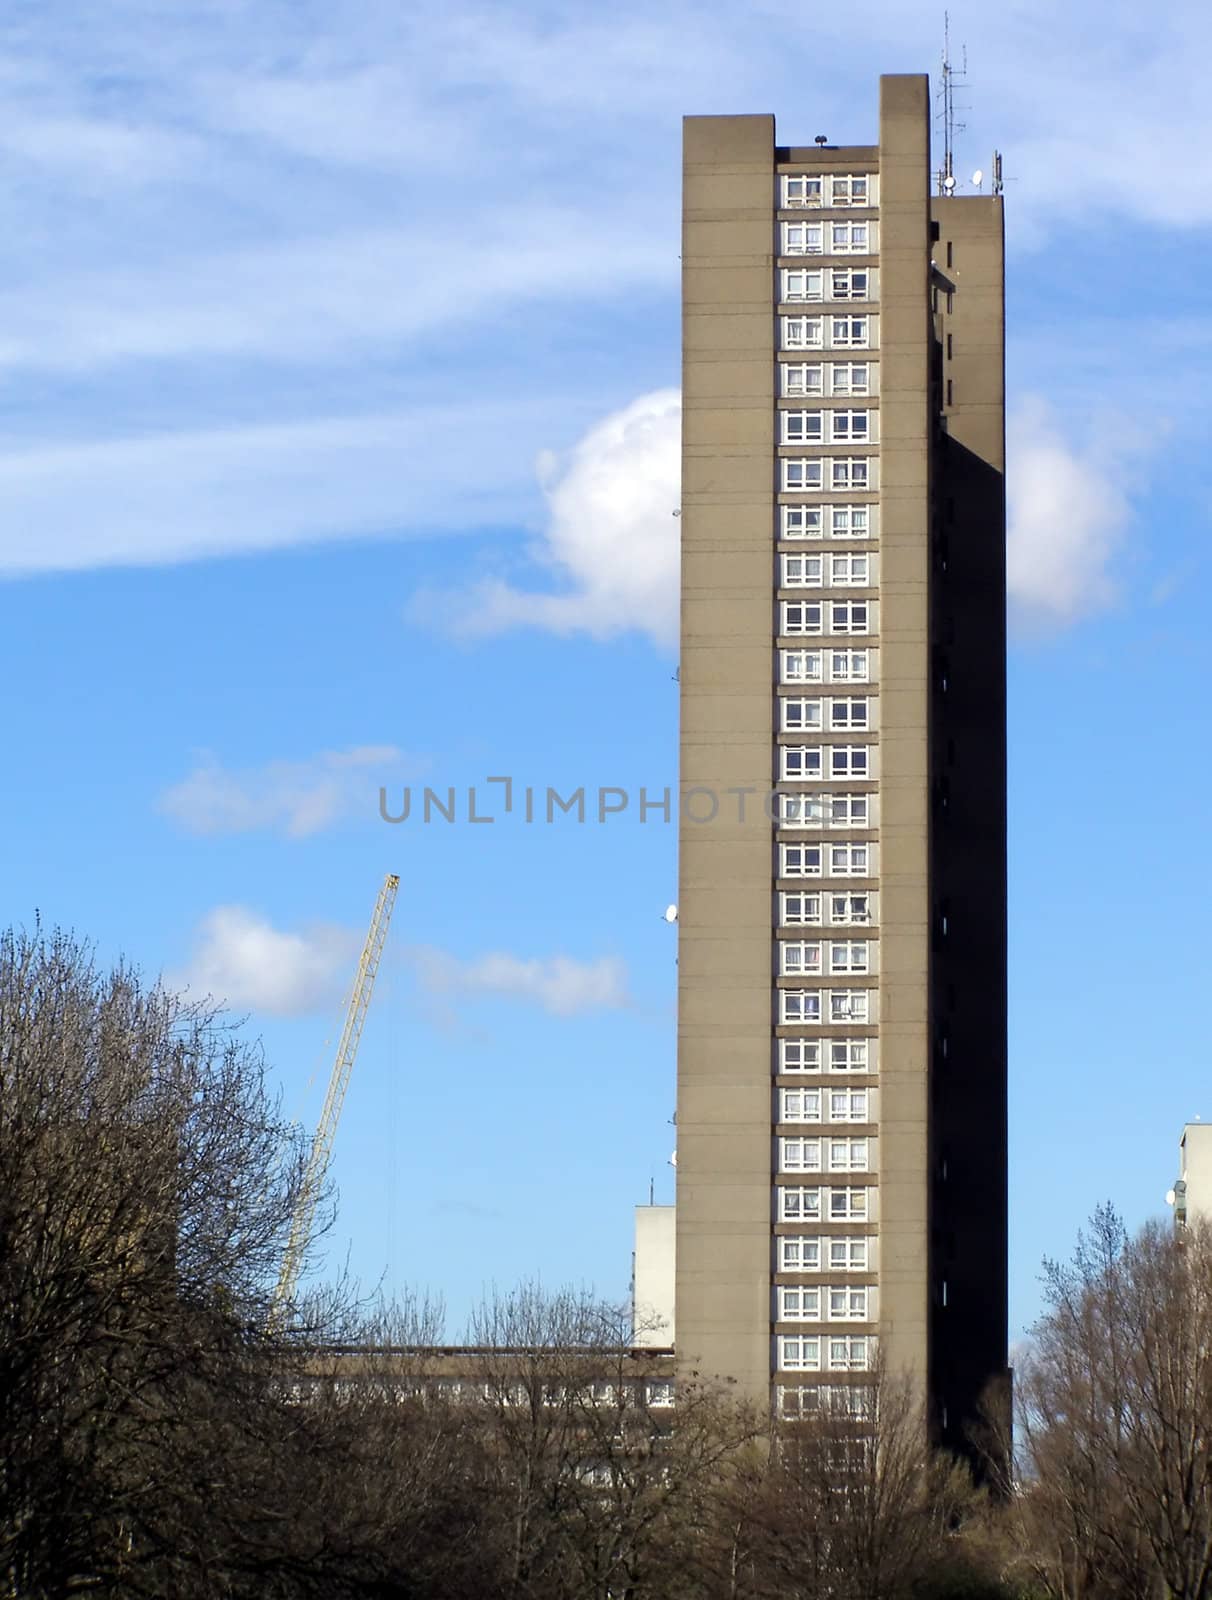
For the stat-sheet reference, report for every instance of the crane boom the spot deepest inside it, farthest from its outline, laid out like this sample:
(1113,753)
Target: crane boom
(321,1146)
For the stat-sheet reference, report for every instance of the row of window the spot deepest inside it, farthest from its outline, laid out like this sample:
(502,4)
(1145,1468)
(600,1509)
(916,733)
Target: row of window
(829,763)
(828,333)
(826,810)
(828,427)
(793,1402)
(826,1055)
(825,378)
(825,910)
(802,570)
(827,861)
(833,713)
(826,1105)
(827,189)
(802,958)
(795,1353)
(824,1155)
(815,285)
(808,1007)
(837,1252)
(826,616)
(814,474)
(827,522)
(826,666)
(819,1205)
(828,238)
(823,1303)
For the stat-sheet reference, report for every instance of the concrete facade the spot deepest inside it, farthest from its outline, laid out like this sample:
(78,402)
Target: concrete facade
(841,1028)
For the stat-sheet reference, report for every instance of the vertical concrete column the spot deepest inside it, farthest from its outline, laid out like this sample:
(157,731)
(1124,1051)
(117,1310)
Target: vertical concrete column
(725,870)
(905,445)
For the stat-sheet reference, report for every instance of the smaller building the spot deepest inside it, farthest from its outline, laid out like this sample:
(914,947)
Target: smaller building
(1191,1195)
(653,1277)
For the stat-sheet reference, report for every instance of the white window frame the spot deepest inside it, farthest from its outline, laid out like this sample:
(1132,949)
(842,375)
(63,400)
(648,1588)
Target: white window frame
(800,1007)
(850,956)
(848,1204)
(801,1104)
(851,189)
(801,666)
(849,910)
(849,1005)
(796,860)
(797,1253)
(848,861)
(852,385)
(844,1154)
(850,616)
(801,714)
(801,522)
(852,283)
(849,1105)
(847,1254)
(851,238)
(799,1302)
(855,473)
(797,1154)
(800,910)
(803,379)
(845,333)
(802,569)
(800,1203)
(801,190)
(801,958)
(847,1303)
(803,474)
(808,333)
(800,286)
(851,522)
(802,427)
(799,1354)
(848,1354)
(848,666)
(801,618)
(858,1055)
(802,238)
(800,763)
(800,1055)
(850,570)
(850,713)
(852,425)
(851,761)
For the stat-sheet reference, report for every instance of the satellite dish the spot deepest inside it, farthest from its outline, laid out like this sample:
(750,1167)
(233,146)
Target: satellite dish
(671,913)
(673,1159)
(978,177)
(1171,1197)
(948,183)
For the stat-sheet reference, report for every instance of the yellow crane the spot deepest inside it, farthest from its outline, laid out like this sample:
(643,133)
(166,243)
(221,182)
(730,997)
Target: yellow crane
(321,1146)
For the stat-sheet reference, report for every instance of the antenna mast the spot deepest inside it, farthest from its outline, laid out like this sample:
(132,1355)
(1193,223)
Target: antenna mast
(946,94)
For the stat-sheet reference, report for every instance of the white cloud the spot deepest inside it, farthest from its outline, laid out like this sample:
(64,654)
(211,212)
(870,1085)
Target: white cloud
(1067,513)
(560,985)
(240,960)
(295,797)
(612,535)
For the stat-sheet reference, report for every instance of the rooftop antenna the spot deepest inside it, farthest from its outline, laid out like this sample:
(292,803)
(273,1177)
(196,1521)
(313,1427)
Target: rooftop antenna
(946,94)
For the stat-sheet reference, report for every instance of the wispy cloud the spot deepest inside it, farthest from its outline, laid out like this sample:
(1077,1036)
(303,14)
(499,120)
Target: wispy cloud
(1067,514)
(297,798)
(611,543)
(560,985)
(240,960)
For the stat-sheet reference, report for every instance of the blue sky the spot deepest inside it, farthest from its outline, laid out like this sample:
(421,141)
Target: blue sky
(338,422)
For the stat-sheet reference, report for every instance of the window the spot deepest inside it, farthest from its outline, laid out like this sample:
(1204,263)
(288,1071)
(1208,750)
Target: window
(800,666)
(849,1055)
(800,860)
(849,1005)
(846,1355)
(849,238)
(848,1255)
(850,522)
(850,956)
(801,716)
(849,377)
(848,666)
(798,958)
(799,1255)
(846,1305)
(847,714)
(803,239)
(802,572)
(799,1205)
(801,1155)
(845,472)
(801,522)
(849,761)
(849,811)
(801,190)
(850,283)
(803,427)
(845,1155)
(848,1105)
(803,617)
(845,618)
(850,427)
(802,474)
(801,811)
(801,1355)
(848,1205)
(850,191)
(799,1055)
(800,1304)
(845,333)
(660,1391)
(849,860)
(847,570)
(798,910)
(808,333)
(799,1005)
(800,762)
(844,908)
(802,378)
(798,1400)
(808,283)
(800,1105)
